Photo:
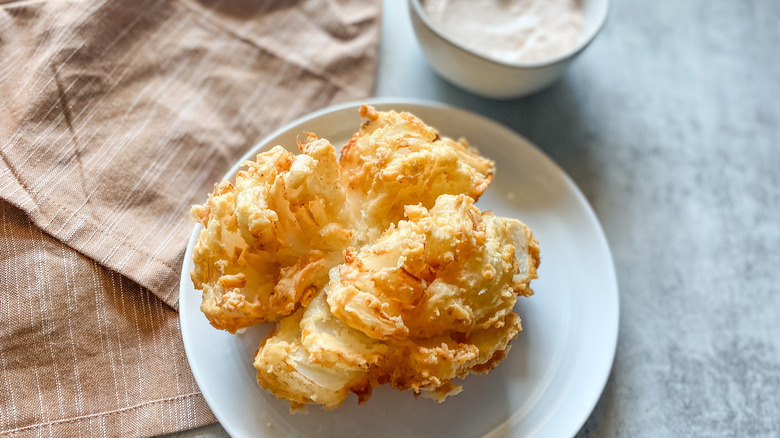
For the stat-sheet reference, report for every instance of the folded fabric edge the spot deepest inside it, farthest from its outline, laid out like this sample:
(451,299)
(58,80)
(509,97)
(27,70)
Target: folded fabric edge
(167,415)
(77,232)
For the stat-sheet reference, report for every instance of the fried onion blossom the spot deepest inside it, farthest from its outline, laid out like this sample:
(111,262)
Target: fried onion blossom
(376,265)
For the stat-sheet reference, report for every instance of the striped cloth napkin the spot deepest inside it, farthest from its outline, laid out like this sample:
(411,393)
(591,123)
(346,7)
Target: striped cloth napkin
(115,117)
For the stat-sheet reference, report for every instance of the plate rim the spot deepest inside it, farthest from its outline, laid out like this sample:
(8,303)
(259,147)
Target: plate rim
(614,334)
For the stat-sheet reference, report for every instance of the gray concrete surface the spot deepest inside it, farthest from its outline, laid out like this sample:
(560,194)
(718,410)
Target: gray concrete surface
(670,125)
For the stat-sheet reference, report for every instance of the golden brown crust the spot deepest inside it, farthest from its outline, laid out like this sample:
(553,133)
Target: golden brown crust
(396,160)
(377,265)
(284,369)
(282,226)
(289,217)
(451,268)
(338,359)
(430,301)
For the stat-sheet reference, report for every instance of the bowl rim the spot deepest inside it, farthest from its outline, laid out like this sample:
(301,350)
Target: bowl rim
(417,7)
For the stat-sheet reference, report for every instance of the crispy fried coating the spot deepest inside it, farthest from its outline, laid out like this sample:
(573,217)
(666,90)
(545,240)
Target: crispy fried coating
(450,268)
(356,362)
(430,301)
(289,204)
(377,265)
(427,366)
(236,285)
(267,243)
(284,368)
(333,344)
(396,160)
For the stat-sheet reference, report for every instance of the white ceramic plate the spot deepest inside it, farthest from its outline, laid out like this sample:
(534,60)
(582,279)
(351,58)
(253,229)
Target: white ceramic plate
(558,365)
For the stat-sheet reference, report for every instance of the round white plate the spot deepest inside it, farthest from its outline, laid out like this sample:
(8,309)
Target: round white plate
(558,365)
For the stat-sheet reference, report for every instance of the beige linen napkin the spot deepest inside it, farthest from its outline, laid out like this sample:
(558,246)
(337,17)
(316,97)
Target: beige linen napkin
(116,116)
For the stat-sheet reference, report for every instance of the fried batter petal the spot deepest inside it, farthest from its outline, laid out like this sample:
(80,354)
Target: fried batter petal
(452,268)
(430,301)
(236,285)
(283,367)
(333,344)
(397,160)
(290,204)
(337,359)
(428,366)
(268,242)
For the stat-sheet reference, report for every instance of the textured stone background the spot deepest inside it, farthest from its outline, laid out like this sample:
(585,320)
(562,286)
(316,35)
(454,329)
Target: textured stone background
(670,124)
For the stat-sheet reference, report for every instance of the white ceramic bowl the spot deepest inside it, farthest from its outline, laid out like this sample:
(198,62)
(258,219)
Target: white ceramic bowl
(492,78)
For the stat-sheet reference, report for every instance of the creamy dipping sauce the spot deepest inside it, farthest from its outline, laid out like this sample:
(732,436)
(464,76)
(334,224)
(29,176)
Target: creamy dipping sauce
(509,30)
